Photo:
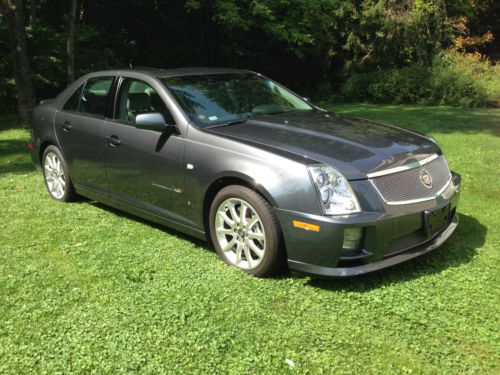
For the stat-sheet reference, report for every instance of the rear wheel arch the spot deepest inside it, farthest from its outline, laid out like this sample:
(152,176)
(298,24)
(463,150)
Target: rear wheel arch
(43,147)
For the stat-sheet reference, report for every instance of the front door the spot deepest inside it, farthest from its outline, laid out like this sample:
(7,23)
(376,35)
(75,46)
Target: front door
(144,167)
(79,128)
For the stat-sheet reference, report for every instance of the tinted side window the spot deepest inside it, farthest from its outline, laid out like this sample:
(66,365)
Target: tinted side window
(95,96)
(138,97)
(74,100)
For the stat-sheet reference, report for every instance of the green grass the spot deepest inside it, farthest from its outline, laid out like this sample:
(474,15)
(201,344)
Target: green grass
(86,289)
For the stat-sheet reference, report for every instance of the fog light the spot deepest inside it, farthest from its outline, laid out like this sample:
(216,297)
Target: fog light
(352,239)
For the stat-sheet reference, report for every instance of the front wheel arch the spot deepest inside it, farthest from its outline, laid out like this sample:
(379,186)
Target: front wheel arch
(220,183)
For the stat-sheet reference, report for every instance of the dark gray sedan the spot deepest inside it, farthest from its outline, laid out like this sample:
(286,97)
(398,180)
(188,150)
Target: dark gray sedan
(230,155)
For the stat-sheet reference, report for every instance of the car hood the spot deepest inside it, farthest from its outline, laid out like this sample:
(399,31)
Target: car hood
(354,146)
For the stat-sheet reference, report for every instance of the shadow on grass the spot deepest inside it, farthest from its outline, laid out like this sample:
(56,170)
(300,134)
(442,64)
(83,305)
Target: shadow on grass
(459,249)
(15,149)
(172,232)
(8,122)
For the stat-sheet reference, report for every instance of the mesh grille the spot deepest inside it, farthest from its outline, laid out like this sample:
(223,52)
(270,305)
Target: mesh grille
(407,185)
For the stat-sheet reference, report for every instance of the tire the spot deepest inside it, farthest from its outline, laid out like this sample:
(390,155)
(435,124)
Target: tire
(56,176)
(256,235)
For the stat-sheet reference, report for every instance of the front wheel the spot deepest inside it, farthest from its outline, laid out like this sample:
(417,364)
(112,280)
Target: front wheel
(245,231)
(55,173)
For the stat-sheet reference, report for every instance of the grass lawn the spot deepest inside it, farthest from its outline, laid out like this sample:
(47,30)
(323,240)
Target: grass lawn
(86,289)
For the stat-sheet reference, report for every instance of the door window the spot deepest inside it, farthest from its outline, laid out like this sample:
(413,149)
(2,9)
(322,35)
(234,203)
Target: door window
(138,97)
(95,96)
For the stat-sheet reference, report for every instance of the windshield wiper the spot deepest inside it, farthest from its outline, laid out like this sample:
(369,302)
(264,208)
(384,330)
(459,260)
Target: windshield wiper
(230,122)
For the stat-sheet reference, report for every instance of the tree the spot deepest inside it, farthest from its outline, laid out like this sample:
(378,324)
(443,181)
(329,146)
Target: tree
(70,44)
(13,11)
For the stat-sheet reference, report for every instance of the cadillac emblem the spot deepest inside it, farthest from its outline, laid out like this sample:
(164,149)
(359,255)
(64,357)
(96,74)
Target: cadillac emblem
(426,179)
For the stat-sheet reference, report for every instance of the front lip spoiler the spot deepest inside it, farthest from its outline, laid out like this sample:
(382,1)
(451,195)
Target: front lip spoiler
(414,252)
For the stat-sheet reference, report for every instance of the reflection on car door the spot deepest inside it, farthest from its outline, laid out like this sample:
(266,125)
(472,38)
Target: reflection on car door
(79,126)
(144,167)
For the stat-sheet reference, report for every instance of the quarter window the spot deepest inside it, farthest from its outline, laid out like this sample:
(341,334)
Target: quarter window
(74,101)
(138,97)
(95,96)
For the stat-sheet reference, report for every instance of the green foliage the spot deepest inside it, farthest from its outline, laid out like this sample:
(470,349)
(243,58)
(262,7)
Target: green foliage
(86,289)
(310,46)
(464,80)
(451,79)
(393,33)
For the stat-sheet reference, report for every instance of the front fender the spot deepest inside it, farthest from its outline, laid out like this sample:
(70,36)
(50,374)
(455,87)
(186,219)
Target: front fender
(249,180)
(285,183)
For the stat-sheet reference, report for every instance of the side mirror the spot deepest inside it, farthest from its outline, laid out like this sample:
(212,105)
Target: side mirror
(151,121)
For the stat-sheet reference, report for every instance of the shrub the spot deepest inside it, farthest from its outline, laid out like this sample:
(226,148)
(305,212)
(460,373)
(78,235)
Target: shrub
(464,80)
(452,78)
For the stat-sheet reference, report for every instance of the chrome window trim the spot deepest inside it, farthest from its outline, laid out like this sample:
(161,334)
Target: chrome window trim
(403,167)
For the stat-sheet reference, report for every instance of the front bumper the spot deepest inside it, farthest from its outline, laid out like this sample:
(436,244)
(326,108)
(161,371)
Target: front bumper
(375,266)
(390,236)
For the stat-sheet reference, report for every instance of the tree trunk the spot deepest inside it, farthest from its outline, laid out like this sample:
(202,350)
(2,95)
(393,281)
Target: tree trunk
(70,44)
(33,12)
(13,10)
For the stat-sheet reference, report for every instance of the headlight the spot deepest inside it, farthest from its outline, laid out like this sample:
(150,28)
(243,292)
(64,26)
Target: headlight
(335,193)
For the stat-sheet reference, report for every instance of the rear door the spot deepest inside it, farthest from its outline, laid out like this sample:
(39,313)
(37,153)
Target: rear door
(144,167)
(79,128)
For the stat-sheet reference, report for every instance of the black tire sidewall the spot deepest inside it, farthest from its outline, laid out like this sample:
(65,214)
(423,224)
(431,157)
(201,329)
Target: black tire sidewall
(69,190)
(269,264)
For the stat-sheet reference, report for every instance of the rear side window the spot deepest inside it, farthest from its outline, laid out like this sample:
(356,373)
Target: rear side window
(74,100)
(95,96)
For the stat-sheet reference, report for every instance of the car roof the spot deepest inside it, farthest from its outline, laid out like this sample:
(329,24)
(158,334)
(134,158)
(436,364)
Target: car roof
(163,73)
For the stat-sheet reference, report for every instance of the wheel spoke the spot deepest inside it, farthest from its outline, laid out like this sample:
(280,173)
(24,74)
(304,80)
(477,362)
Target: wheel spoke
(232,211)
(243,212)
(230,245)
(238,253)
(228,232)
(256,235)
(252,222)
(259,252)
(58,165)
(58,187)
(49,162)
(48,168)
(248,256)
(226,219)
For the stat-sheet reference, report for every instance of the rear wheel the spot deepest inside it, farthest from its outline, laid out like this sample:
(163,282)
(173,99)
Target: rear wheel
(245,231)
(55,173)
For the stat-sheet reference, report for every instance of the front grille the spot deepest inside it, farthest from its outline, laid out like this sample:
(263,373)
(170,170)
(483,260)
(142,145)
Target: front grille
(407,187)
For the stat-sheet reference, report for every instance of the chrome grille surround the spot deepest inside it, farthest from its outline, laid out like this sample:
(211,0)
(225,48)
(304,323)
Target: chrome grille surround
(405,186)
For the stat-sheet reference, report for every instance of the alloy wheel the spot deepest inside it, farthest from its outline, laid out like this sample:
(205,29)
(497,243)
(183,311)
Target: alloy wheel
(54,175)
(240,233)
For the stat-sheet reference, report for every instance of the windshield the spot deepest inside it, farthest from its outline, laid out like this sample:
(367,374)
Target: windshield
(214,99)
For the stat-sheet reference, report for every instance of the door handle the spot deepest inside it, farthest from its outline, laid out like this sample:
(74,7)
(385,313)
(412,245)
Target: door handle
(113,141)
(67,126)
